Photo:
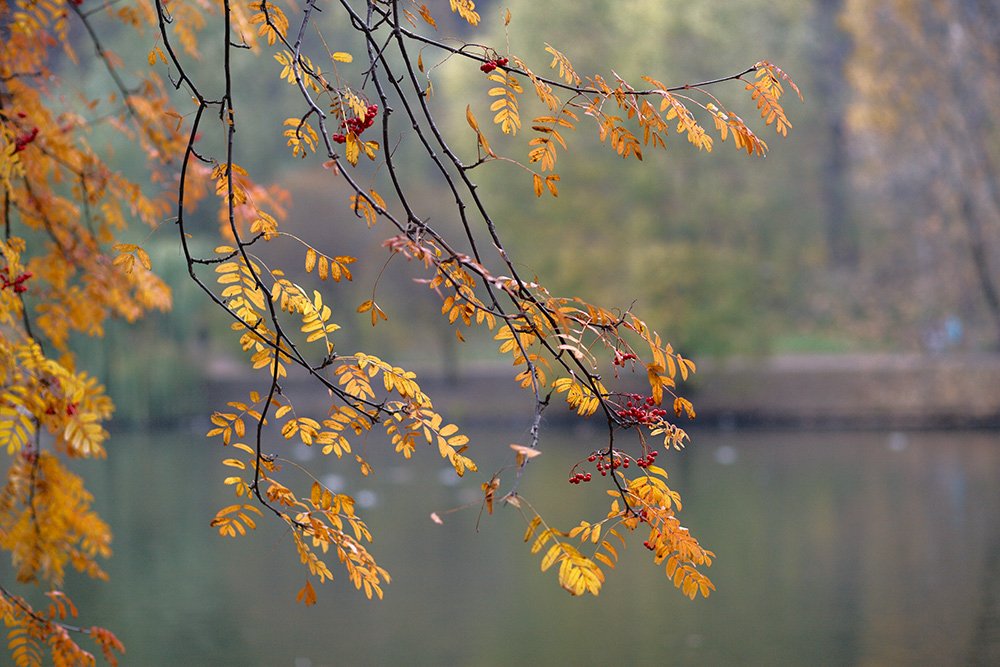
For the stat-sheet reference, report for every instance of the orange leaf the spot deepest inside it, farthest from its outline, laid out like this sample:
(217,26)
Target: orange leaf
(308,594)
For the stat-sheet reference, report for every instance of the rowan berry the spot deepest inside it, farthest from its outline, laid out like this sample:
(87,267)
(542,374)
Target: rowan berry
(25,139)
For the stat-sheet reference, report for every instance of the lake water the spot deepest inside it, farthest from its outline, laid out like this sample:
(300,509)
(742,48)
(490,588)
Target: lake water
(857,548)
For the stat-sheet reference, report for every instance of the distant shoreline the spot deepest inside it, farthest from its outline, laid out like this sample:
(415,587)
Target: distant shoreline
(836,391)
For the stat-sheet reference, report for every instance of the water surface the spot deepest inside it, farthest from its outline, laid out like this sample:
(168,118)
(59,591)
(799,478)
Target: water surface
(832,549)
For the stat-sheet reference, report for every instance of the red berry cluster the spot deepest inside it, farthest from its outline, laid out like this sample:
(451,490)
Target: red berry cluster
(647,460)
(71,409)
(17,283)
(605,463)
(25,139)
(358,124)
(622,357)
(640,410)
(492,64)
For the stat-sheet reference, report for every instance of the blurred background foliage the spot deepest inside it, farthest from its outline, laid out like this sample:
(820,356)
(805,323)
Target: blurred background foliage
(874,226)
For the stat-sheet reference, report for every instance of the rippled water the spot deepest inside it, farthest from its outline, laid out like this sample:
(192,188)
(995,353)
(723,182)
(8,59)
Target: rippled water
(832,549)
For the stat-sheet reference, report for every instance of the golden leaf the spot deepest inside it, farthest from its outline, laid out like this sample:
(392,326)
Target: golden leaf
(551,556)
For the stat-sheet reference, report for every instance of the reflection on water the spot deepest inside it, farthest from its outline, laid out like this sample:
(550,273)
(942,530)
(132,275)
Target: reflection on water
(833,549)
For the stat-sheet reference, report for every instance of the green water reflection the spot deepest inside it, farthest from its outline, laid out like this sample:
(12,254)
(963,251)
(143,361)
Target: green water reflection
(833,549)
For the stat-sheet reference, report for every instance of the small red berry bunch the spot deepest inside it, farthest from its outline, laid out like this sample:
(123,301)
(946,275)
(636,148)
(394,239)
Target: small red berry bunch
(17,283)
(492,64)
(647,460)
(606,463)
(358,124)
(622,357)
(71,409)
(640,410)
(24,139)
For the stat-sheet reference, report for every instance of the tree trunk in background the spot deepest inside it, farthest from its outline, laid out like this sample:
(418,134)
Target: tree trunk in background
(832,49)
(975,176)
(925,112)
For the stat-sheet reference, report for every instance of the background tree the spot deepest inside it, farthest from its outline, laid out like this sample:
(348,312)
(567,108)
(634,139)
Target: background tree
(925,81)
(364,102)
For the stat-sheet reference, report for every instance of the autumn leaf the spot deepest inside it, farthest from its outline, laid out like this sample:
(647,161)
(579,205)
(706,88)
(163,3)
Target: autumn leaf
(524,453)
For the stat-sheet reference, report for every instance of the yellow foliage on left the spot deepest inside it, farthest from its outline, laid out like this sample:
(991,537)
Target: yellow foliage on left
(63,212)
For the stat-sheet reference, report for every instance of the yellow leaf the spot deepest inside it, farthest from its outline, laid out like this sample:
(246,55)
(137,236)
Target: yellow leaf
(352,148)
(682,405)
(143,259)
(550,182)
(531,527)
(540,541)
(343,57)
(551,556)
